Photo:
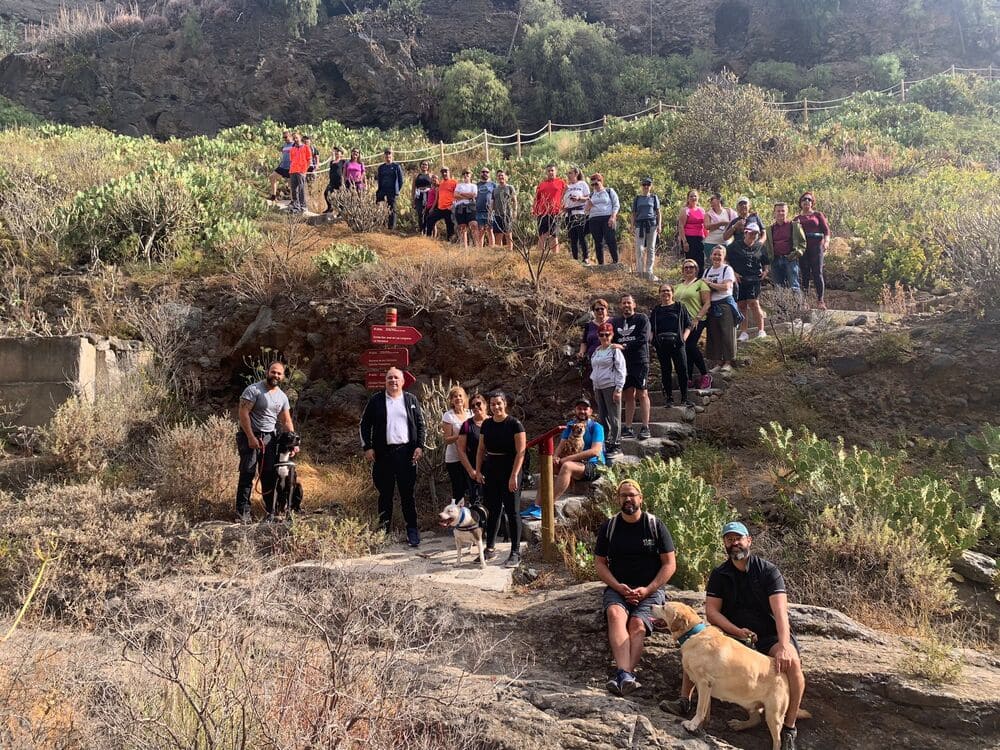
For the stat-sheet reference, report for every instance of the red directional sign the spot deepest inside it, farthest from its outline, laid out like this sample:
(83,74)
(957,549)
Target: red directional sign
(376,380)
(404,335)
(395,357)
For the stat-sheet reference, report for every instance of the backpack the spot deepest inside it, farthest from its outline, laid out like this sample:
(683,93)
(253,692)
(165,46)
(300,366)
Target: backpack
(654,529)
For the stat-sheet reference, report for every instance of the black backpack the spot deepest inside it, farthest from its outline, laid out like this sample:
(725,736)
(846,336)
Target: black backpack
(652,525)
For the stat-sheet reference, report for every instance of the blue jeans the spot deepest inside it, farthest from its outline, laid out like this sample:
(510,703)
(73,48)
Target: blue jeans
(785,272)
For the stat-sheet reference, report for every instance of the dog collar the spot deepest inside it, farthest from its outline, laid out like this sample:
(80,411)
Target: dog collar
(462,515)
(693,631)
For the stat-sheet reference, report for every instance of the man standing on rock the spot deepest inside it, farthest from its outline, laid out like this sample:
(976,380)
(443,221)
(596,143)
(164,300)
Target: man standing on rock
(262,406)
(392,437)
(635,557)
(632,332)
(390,184)
(746,599)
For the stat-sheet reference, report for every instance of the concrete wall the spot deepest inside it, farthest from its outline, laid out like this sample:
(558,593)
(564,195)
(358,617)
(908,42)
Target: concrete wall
(38,374)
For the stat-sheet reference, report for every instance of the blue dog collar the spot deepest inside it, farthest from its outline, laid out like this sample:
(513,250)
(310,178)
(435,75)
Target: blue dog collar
(693,631)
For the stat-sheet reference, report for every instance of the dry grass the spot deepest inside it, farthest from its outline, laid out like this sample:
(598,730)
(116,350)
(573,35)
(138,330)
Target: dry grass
(76,24)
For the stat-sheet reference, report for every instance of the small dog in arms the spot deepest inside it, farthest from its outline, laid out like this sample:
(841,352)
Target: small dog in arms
(574,443)
(466,528)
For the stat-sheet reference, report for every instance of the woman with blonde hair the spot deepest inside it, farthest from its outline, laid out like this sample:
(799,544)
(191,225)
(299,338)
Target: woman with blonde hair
(451,423)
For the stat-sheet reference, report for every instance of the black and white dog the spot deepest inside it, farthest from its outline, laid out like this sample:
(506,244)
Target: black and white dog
(288,490)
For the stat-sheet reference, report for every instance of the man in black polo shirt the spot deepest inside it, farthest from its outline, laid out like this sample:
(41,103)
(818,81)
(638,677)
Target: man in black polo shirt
(634,556)
(746,599)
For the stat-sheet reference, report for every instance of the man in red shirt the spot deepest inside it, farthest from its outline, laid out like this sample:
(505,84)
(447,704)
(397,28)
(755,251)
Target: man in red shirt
(445,201)
(548,207)
(301,156)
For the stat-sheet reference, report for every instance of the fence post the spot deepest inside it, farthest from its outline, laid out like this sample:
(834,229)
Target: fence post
(953,68)
(546,491)
(902,89)
(519,143)
(805,111)
(604,121)
(441,145)
(659,108)
(486,145)
(549,126)
(991,71)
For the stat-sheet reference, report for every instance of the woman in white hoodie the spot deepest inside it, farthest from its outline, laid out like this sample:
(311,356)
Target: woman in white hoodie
(608,376)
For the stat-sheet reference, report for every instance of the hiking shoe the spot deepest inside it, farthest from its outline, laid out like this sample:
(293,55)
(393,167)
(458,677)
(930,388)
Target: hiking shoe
(627,432)
(628,684)
(413,536)
(706,382)
(244,516)
(689,403)
(762,334)
(788,735)
(489,554)
(513,561)
(532,511)
(644,432)
(614,685)
(744,336)
(669,402)
(681,707)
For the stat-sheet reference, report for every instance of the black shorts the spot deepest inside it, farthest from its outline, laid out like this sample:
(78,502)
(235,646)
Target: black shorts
(283,171)
(749,289)
(765,643)
(465,214)
(590,472)
(501,224)
(636,375)
(548,225)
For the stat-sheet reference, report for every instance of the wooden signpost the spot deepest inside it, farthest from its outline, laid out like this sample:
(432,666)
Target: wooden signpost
(393,338)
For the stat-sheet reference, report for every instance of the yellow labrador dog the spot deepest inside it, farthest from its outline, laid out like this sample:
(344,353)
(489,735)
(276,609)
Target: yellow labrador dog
(721,667)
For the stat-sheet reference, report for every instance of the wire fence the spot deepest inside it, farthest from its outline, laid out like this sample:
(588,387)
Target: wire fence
(519,139)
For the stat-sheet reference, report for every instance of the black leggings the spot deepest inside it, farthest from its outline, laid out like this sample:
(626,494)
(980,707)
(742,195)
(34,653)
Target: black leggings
(435,216)
(694,356)
(601,232)
(500,499)
(577,231)
(696,252)
(675,355)
(811,266)
(459,479)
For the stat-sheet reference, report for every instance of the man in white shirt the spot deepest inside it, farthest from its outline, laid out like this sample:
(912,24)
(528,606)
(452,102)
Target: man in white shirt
(392,437)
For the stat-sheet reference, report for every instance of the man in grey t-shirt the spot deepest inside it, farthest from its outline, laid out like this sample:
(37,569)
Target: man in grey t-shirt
(262,406)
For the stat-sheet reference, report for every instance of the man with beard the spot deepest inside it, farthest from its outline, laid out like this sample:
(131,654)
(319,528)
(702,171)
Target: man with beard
(262,405)
(746,599)
(634,556)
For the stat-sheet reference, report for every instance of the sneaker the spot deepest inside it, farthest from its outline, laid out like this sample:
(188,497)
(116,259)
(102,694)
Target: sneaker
(244,516)
(690,383)
(681,707)
(644,432)
(627,432)
(268,518)
(669,402)
(689,403)
(744,336)
(513,561)
(413,536)
(762,334)
(614,685)
(532,512)
(788,735)
(628,684)
(706,382)
(489,554)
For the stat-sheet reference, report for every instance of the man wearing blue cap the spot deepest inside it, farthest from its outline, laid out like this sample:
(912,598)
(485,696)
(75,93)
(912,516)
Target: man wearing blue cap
(746,599)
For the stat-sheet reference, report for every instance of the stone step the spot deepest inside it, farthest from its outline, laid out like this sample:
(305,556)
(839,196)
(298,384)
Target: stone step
(665,448)
(674,430)
(672,414)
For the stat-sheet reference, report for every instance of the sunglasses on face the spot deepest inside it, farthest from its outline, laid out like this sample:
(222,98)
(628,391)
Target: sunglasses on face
(604,335)
(600,309)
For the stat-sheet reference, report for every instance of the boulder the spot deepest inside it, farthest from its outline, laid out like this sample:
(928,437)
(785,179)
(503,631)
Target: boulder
(847,367)
(348,402)
(976,567)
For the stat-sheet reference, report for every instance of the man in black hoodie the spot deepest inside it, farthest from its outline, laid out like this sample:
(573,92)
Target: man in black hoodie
(389,179)
(392,437)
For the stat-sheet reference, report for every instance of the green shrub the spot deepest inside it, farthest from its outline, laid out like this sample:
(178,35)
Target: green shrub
(885,70)
(473,97)
(987,447)
(689,509)
(341,258)
(817,476)
(785,77)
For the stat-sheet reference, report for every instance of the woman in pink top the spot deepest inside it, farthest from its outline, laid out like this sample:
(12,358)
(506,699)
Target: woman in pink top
(691,230)
(354,171)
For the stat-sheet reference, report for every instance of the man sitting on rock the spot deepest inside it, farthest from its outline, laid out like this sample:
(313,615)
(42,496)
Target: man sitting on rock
(581,465)
(746,599)
(634,556)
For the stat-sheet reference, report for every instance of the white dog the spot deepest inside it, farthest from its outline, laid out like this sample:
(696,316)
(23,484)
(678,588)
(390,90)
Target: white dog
(465,527)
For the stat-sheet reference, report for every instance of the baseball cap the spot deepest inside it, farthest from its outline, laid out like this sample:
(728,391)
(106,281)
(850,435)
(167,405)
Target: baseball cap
(751,227)
(646,181)
(735,527)
(582,401)
(743,199)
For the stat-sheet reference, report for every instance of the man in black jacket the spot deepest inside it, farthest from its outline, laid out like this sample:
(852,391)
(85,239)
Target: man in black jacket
(390,182)
(392,437)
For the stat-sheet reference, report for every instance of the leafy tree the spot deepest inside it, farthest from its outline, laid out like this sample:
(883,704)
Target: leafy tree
(725,134)
(473,97)
(885,70)
(298,14)
(785,77)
